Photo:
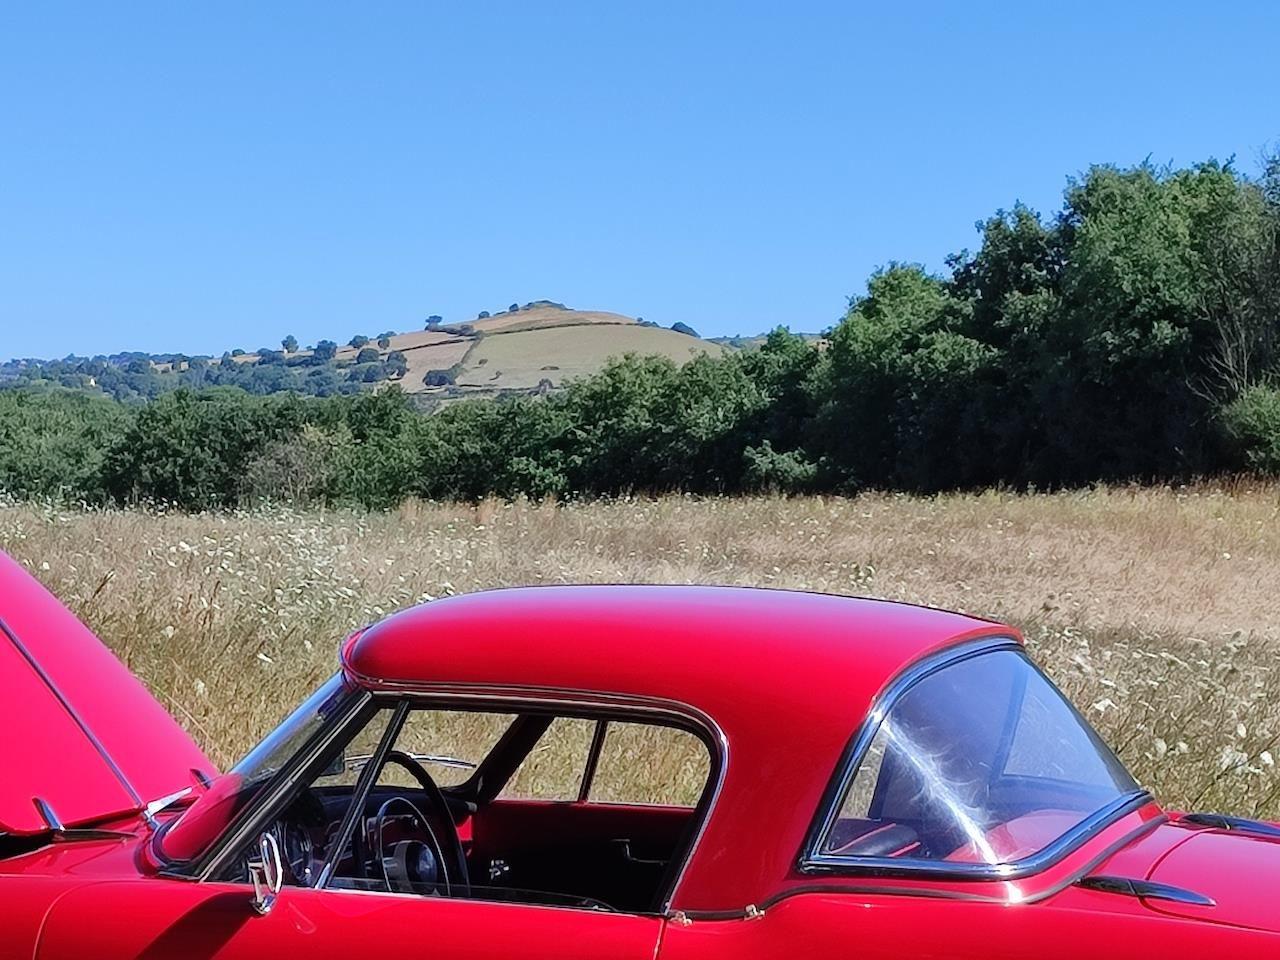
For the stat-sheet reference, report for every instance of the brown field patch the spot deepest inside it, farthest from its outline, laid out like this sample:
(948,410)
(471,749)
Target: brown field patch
(520,360)
(440,355)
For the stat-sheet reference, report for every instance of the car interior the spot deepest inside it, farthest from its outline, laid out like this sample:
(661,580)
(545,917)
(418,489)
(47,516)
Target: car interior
(583,811)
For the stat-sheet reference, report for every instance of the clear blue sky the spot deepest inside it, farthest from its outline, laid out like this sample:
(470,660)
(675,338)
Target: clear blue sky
(194,177)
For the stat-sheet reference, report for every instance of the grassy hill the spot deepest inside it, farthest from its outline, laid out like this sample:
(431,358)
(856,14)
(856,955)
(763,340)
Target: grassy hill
(521,350)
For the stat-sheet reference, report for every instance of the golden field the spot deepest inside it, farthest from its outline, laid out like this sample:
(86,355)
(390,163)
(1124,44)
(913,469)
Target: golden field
(1157,610)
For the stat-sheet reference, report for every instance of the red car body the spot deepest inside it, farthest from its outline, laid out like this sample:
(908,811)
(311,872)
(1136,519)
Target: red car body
(787,689)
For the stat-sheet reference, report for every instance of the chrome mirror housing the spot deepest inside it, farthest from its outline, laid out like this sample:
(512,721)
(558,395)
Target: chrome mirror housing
(267,874)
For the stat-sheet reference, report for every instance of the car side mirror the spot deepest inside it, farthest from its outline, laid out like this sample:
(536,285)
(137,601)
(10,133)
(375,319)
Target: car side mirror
(267,874)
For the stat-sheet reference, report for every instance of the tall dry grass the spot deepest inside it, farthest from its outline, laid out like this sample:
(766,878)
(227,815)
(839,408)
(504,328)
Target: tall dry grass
(1158,611)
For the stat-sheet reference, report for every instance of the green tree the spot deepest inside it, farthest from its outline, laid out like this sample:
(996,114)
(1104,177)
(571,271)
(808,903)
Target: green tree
(1252,423)
(397,365)
(191,450)
(53,445)
(896,390)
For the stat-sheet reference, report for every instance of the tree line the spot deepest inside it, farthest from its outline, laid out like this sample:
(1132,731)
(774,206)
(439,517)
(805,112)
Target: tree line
(136,377)
(1133,335)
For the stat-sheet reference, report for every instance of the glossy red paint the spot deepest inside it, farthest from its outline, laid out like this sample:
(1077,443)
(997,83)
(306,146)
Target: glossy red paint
(169,920)
(786,677)
(1077,924)
(80,732)
(1241,873)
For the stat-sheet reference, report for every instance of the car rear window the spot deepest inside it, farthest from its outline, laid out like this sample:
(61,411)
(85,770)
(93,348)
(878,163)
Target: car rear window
(977,765)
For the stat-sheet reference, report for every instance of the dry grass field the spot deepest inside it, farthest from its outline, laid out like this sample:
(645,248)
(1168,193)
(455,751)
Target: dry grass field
(546,316)
(1158,611)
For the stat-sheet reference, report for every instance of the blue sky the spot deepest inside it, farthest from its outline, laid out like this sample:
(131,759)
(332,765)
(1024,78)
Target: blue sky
(184,177)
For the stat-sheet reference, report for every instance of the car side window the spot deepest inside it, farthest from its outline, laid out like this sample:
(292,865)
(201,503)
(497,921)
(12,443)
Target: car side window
(978,764)
(449,743)
(554,768)
(645,764)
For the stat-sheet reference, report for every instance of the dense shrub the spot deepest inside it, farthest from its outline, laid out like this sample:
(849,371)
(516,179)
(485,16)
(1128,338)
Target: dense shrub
(194,449)
(1252,422)
(52,445)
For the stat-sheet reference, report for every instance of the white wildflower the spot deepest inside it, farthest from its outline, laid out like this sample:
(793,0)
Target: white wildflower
(1231,758)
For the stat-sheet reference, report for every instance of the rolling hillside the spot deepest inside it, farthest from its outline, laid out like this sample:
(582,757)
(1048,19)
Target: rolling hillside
(528,349)
(521,350)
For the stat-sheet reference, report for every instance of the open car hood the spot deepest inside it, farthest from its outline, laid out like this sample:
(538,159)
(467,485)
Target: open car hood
(81,739)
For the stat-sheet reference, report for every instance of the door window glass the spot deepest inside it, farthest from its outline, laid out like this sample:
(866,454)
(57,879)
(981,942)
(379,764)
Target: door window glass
(648,764)
(554,768)
(448,744)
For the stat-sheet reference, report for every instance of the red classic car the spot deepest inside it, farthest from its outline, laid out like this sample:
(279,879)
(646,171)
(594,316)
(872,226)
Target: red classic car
(674,772)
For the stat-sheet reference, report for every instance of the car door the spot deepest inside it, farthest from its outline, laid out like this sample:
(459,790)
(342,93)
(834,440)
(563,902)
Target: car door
(161,919)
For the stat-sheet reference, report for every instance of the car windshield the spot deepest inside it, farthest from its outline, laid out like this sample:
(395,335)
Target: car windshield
(205,819)
(977,765)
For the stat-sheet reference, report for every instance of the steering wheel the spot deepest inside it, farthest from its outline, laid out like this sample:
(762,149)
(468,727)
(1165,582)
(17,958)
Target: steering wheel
(439,853)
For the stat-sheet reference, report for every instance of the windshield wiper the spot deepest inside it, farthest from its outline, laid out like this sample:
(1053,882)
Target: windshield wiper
(58,833)
(11,846)
(159,806)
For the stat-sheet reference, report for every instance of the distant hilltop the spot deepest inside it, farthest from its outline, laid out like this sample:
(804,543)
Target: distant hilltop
(528,348)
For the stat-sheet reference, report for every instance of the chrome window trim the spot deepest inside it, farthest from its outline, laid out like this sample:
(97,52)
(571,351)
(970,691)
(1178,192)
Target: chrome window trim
(477,696)
(360,792)
(270,802)
(813,861)
(593,760)
(593,702)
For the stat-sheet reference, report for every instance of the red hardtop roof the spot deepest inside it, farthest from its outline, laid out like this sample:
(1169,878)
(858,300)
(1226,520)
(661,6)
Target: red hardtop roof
(786,676)
(683,643)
